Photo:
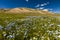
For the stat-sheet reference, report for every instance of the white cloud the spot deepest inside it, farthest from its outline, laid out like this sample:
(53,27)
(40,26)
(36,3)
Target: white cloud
(44,4)
(37,5)
(48,10)
(41,8)
(26,0)
(45,10)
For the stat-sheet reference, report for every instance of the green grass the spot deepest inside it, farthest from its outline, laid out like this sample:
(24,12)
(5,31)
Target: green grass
(29,26)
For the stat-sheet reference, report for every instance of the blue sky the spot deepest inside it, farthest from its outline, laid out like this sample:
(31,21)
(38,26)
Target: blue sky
(51,5)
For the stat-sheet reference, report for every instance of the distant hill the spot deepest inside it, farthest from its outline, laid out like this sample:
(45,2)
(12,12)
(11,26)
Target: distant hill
(24,10)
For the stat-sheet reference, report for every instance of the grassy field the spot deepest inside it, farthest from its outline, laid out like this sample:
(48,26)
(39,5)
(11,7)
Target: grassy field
(29,26)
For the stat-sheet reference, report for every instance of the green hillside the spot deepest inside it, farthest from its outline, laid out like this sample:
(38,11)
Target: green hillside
(29,26)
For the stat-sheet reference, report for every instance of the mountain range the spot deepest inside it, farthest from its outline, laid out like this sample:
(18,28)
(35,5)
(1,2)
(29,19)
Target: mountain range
(24,10)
